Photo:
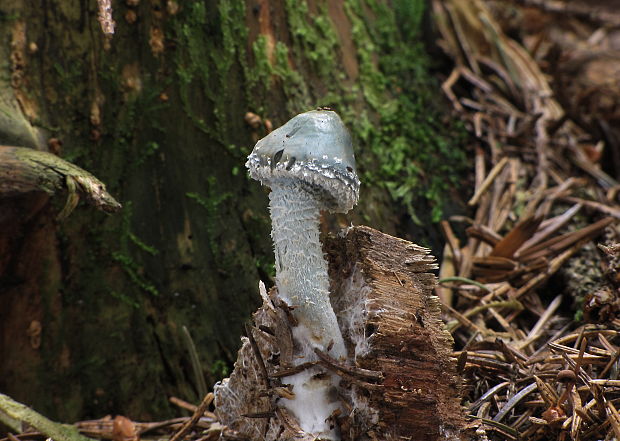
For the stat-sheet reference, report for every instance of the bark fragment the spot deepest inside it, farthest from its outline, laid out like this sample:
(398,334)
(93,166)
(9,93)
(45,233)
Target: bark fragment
(399,379)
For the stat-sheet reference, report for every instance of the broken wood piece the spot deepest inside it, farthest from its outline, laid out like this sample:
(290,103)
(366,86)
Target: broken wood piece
(603,208)
(550,226)
(24,170)
(400,333)
(446,270)
(198,413)
(488,181)
(483,233)
(399,378)
(559,243)
(516,237)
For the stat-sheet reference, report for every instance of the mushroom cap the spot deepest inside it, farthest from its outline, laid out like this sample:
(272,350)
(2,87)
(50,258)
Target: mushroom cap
(567,376)
(314,149)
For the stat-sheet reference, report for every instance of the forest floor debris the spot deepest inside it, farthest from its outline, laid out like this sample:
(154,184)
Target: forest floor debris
(530,285)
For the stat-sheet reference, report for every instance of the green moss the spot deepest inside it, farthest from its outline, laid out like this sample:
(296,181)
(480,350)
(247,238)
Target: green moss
(578,316)
(150,148)
(9,17)
(128,300)
(261,73)
(408,150)
(391,109)
(267,266)
(68,75)
(123,256)
(211,203)
(210,44)
(219,369)
(404,147)
(132,269)
(314,37)
(294,85)
(144,247)
(192,62)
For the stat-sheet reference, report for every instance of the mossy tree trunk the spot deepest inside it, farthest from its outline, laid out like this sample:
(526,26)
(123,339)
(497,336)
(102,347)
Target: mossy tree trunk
(93,308)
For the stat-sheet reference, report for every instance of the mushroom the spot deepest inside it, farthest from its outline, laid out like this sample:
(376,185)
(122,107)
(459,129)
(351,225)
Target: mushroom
(309,165)
(566,376)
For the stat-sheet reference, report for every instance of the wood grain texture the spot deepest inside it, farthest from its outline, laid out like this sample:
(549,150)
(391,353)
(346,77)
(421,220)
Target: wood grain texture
(399,381)
(407,340)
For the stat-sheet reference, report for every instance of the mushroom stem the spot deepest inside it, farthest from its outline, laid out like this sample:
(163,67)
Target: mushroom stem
(303,282)
(301,269)
(309,165)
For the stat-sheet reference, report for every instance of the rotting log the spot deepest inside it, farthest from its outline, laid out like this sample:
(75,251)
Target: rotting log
(399,380)
(24,171)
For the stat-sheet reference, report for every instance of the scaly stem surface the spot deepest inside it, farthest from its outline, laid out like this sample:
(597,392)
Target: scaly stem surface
(303,282)
(301,269)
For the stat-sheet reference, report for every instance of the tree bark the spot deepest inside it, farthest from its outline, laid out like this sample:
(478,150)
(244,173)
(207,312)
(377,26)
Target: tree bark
(165,113)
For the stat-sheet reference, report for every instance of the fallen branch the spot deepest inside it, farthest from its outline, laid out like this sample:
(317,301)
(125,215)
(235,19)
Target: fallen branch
(21,413)
(24,170)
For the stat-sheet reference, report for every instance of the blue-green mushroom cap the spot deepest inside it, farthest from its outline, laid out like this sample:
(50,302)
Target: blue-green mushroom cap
(315,149)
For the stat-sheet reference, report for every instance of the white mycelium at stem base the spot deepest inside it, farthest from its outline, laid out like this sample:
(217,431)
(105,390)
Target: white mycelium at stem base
(309,165)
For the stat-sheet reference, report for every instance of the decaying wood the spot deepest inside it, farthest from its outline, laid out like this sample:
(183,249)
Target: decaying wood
(399,380)
(24,171)
(401,324)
